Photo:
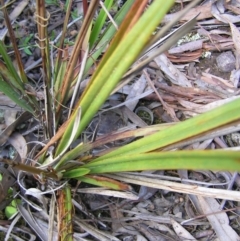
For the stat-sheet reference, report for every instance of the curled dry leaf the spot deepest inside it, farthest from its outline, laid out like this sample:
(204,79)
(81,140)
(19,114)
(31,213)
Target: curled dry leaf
(37,194)
(204,12)
(218,11)
(19,143)
(185,57)
(8,131)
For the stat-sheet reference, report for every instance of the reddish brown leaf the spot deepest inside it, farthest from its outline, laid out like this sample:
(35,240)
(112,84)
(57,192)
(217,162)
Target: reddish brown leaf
(185,57)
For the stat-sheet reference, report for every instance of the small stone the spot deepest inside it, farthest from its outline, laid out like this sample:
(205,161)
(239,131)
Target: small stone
(226,62)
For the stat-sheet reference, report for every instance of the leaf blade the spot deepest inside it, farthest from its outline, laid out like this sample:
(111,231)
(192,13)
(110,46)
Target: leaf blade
(113,68)
(183,130)
(191,160)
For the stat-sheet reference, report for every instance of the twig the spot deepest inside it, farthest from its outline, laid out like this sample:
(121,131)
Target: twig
(165,105)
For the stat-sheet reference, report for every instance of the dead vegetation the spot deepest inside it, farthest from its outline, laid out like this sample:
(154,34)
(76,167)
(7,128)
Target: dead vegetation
(194,76)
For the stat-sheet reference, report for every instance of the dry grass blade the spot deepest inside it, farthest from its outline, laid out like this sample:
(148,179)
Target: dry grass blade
(51,224)
(111,193)
(14,222)
(32,222)
(176,187)
(98,234)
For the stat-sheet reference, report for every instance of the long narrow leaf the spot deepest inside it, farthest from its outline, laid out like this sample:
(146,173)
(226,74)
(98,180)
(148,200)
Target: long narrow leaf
(190,160)
(76,172)
(15,96)
(125,27)
(100,21)
(108,74)
(84,147)
(108,34)
(16,81)
(183,130)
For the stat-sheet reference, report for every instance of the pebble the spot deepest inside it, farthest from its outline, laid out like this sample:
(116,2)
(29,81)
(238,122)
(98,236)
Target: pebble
(226,62)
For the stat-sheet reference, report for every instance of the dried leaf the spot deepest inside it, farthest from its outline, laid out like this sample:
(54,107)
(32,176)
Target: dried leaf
(9,116)
(40,230)
(219,220)
(8,131)
(7,103)
(191,46)
(236,41)
(185,57)
(37,194)
(182,233)
(223,17)
(204,12)
(137,89)
(174,75)
(17,10)
(19,143)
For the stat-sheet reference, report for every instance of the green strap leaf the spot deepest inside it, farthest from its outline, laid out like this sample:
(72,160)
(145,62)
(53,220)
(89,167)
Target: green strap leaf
(77,172)
(190,160)
(16,80)
(108,34)
(14,96)
(100,21)
(181,131)
(111,70)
